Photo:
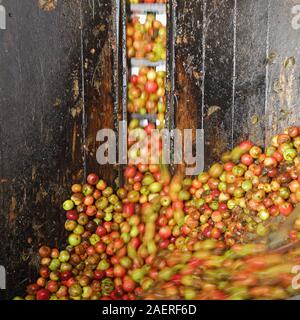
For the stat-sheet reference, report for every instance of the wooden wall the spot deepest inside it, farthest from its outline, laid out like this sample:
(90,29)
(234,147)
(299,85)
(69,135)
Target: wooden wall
(55,93)
(235,69)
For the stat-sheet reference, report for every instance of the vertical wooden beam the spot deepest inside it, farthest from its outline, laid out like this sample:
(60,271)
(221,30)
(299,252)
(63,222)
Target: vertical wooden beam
(98,45)
(188,64)
(282,105)
(251,65)
(121,83)
(219,78)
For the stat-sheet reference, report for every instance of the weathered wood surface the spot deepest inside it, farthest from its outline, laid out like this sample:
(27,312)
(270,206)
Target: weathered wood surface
(225,75)
(218,77)
(283,83)
(55,93)
(250,89)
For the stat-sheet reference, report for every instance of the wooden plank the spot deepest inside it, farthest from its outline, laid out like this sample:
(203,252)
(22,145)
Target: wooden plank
(99,45)
(42,126)
(219,77)
(250,93)
(188,64)
(282,106)
(40,55)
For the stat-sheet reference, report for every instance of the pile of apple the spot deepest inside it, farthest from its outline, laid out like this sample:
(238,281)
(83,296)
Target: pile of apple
(210,272)
(146,40)
(146,93)
(249,189)
(121,242)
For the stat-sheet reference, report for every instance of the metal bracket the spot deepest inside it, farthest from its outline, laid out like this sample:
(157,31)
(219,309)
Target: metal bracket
(148,7)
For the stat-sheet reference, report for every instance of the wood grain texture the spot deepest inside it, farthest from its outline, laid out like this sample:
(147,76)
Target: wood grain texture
(251,66)
(188,62)
(282,105)
(99,45)
(188,66)
(218,80)
(43,94)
